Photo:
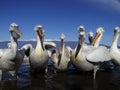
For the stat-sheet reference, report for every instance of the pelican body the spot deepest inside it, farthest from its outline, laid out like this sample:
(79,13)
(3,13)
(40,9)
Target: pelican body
(61,57)
(114,51)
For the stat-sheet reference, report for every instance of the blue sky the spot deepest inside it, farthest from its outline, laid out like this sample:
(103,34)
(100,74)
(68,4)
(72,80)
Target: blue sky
(59,16)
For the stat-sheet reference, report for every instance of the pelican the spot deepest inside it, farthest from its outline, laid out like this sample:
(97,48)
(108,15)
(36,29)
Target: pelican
(114,51)
(90,37)
(61,57)
(8,60)
(87,57)
(38,56)
(98,37)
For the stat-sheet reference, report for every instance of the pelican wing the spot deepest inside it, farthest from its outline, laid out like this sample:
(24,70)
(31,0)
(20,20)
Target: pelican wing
(26,46)
(100,54)
(49,45)
(27,49)
(69,48)
(1,53)
(6,53)
(87,49)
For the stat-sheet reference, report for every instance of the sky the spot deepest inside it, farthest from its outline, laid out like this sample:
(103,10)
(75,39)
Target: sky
(60,16)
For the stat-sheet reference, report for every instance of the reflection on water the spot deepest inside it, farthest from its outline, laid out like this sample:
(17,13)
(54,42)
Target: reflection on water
(23,79)
(71,80)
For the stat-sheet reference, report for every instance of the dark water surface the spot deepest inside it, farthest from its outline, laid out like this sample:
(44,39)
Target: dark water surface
(71,80)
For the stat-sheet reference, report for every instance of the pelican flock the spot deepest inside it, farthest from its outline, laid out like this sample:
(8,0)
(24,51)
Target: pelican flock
(86,57)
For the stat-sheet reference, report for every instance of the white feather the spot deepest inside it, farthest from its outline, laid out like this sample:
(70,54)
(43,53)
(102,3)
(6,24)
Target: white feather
(100,54)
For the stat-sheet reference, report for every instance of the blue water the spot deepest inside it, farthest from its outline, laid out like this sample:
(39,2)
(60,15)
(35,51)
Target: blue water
(70,80)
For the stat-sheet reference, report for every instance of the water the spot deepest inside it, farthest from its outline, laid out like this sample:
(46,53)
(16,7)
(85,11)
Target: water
(70,80)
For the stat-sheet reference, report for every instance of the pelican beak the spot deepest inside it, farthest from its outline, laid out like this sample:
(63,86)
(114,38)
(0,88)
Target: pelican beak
(40,31)
(18,32)
(96,37)
(116,31)
(82,38)
(14,29)
(81,42)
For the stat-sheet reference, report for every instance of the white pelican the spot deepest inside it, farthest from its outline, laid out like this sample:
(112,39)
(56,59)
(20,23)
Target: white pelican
(98,37)
(8,55)
(38,56)
(90,37)
(61,57)
(86,57)
(114,51)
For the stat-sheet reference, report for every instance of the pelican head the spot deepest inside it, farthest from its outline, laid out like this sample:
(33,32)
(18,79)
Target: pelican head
(116,30)
(90,34)
(100,30)
(81,28)
(62,37)
(40,31)
(14,29)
